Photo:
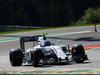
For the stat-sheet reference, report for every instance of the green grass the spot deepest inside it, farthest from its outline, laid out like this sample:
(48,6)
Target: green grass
(9,32)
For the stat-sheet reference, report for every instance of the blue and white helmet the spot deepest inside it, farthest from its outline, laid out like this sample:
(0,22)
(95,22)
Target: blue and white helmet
(47,43)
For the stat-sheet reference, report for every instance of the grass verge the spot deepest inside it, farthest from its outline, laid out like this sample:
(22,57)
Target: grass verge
(10,32)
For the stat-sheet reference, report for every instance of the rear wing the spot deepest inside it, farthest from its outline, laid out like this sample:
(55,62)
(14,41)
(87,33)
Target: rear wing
(27,39)
(30,39)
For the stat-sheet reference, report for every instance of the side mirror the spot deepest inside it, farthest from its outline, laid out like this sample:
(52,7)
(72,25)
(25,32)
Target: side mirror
(59,41)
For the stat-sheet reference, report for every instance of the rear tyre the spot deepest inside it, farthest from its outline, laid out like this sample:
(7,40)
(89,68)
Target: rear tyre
(16,57)
(78,53)
(36,56)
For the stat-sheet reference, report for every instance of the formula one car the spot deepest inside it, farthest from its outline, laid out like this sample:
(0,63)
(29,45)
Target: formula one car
(45,52)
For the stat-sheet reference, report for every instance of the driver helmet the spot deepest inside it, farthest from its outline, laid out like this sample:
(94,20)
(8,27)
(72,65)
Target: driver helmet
(47,43)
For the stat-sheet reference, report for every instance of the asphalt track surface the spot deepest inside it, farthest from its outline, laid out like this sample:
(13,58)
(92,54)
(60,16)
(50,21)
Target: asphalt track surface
(88,38)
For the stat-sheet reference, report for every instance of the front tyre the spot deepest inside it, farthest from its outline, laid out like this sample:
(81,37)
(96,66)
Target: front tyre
(16,57)
(78,53)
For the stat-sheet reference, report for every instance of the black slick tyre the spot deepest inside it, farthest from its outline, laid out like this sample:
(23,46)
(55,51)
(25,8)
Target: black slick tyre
(78,49)
(16,57)
(78,53)
(36,56)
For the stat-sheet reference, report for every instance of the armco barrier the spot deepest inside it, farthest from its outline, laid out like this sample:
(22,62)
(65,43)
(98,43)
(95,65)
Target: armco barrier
(5,28)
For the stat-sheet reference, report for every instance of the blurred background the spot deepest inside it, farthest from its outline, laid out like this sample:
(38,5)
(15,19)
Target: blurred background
(47,13)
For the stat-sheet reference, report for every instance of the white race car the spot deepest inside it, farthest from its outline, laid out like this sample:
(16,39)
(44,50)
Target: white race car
(45,52)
